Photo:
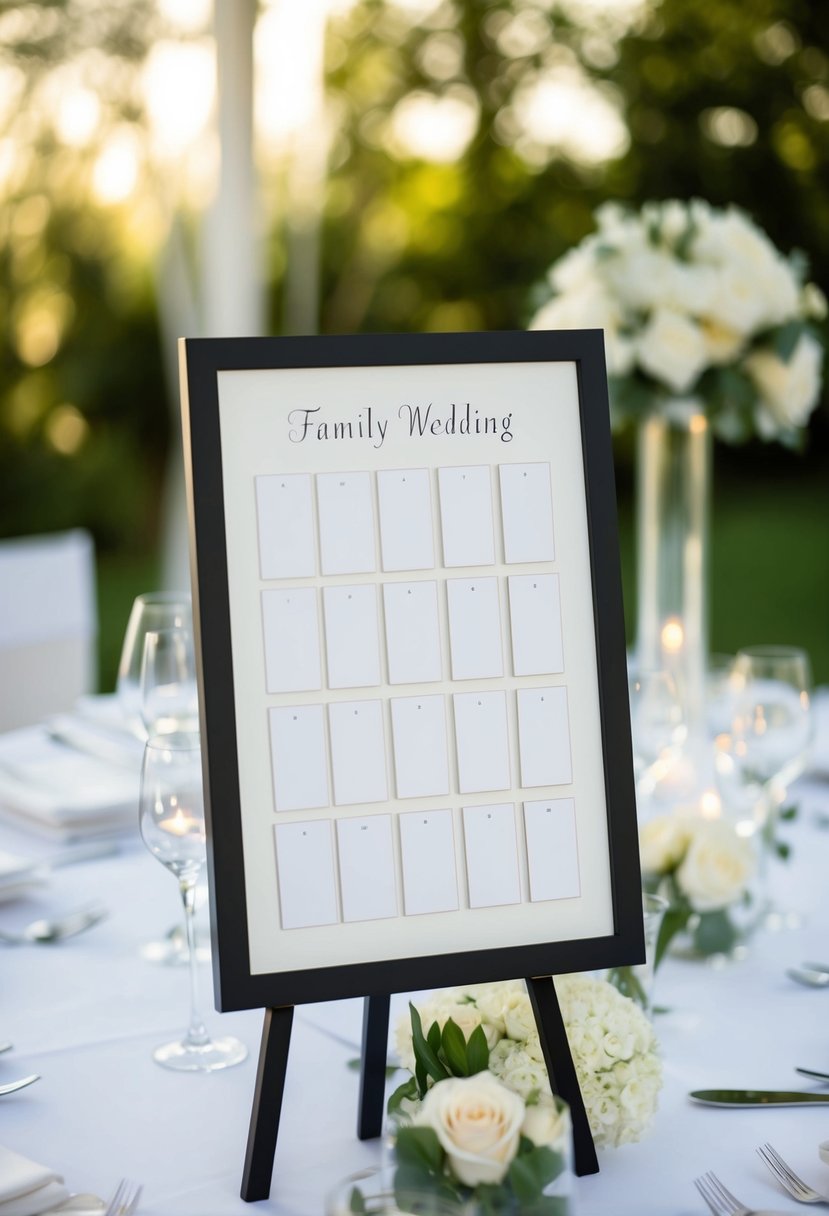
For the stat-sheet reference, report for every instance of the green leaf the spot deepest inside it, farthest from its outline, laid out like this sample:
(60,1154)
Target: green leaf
(419,1147)
(433,1038)
(425,1056)
(673,922)
(786,338)
(454,1049)
(626,981)
(409,1089)
(355,1064)
(357,1201)
(715,933)
(783,850)
(477,1052)
(787,813)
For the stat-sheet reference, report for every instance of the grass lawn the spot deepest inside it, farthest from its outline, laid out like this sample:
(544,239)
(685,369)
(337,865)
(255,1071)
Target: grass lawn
(769,571)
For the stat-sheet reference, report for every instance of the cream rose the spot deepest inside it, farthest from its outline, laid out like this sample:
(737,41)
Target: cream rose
(478,1122)
(547,1125)
(672,348)
(789,390)
(662,843)
(717,866)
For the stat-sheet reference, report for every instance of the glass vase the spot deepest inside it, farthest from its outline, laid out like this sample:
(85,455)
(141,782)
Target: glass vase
(673,480)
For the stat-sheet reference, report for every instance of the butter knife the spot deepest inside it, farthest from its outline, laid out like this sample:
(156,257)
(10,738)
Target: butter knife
(756,1097)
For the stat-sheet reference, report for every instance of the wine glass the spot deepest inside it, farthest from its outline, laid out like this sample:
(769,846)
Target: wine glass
(150,611)
(169,696)
(171,821)
(169,704)
(767,744)
(773,719)
(658,731)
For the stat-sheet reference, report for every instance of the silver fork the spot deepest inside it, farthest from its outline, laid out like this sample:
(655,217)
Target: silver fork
(718,1198)
(125,1200)
(788,1179)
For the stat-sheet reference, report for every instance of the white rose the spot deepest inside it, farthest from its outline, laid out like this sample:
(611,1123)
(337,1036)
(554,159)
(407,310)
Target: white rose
(589,306)
(478,1123)
(548,1125)
(672,349)
(662,843)
(790,390)
(492,1000)
(526,1077)
(717,866)
(519,1019)
(722,344)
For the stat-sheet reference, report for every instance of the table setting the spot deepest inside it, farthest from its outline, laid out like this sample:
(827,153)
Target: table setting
(688,1075)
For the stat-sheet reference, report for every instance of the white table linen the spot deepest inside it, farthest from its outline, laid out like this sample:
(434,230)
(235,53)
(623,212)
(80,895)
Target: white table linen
(86,1014)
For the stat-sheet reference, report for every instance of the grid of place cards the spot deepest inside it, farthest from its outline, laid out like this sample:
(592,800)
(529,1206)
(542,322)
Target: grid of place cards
(416,690)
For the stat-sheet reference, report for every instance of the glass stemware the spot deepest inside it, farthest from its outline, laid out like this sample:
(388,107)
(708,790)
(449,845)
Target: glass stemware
(169,696)
(151,611)
(766,745)
(171,821)
(659,732)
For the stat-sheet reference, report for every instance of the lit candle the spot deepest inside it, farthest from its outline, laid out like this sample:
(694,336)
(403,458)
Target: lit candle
(181,824)
(672,636)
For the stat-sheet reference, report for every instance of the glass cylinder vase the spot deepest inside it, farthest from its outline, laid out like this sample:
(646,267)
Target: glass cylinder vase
(673,480)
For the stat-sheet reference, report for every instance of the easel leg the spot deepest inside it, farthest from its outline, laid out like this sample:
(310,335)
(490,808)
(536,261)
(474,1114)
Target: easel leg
(267,1103)
(561,1070)
(373,1067)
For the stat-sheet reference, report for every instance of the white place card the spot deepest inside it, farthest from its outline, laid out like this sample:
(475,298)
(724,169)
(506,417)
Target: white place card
(527,513)
(292,644)
(305,867)
(535,624)
(491,848)
(367,875)
(412,632)
(346,523)
(544,737)
(298,757)
(466,516)
(405,500)
(474,628)
(358,752)
(427,847)
(351,640)
(482,740)
(285,516)
(421,762)
(552,849)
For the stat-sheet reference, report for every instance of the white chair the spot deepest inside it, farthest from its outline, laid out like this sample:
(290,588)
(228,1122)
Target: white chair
(48,625)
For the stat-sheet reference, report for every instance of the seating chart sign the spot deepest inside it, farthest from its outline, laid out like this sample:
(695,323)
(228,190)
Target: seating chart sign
(414,707)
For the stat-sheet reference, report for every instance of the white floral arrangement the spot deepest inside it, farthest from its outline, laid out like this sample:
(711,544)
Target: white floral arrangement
(614,1049)
(696,305)
(705,869)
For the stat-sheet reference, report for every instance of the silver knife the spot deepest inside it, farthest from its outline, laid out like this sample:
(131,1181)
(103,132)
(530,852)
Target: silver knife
(756,1097)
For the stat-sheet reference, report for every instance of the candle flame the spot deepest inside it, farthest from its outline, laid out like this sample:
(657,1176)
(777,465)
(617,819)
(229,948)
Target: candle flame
(672,636)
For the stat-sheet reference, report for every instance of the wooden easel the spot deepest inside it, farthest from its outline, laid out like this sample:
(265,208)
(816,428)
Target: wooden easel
(273,1062)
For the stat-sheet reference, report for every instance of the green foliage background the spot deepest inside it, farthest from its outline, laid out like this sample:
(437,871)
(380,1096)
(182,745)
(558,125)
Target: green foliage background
(724,100)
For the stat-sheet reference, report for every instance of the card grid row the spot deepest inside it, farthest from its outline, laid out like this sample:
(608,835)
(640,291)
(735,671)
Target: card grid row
(352,626)
(312,856)
(345,519)
(420,730)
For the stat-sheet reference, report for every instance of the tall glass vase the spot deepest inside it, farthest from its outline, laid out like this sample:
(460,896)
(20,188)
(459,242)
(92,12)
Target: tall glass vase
(673,477)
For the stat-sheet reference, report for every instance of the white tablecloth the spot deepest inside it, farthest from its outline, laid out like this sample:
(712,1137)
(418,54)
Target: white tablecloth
(86,1014)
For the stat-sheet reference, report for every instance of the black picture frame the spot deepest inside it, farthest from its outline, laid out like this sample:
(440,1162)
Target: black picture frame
(201,361)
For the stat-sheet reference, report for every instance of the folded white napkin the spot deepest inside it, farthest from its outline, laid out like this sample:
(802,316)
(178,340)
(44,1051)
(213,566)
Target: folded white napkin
(51,787)
(26,1188)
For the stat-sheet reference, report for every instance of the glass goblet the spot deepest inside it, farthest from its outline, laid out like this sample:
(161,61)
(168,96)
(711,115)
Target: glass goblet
(169,695)
(658,730)
(172,827)
(151,611)
(774,685)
